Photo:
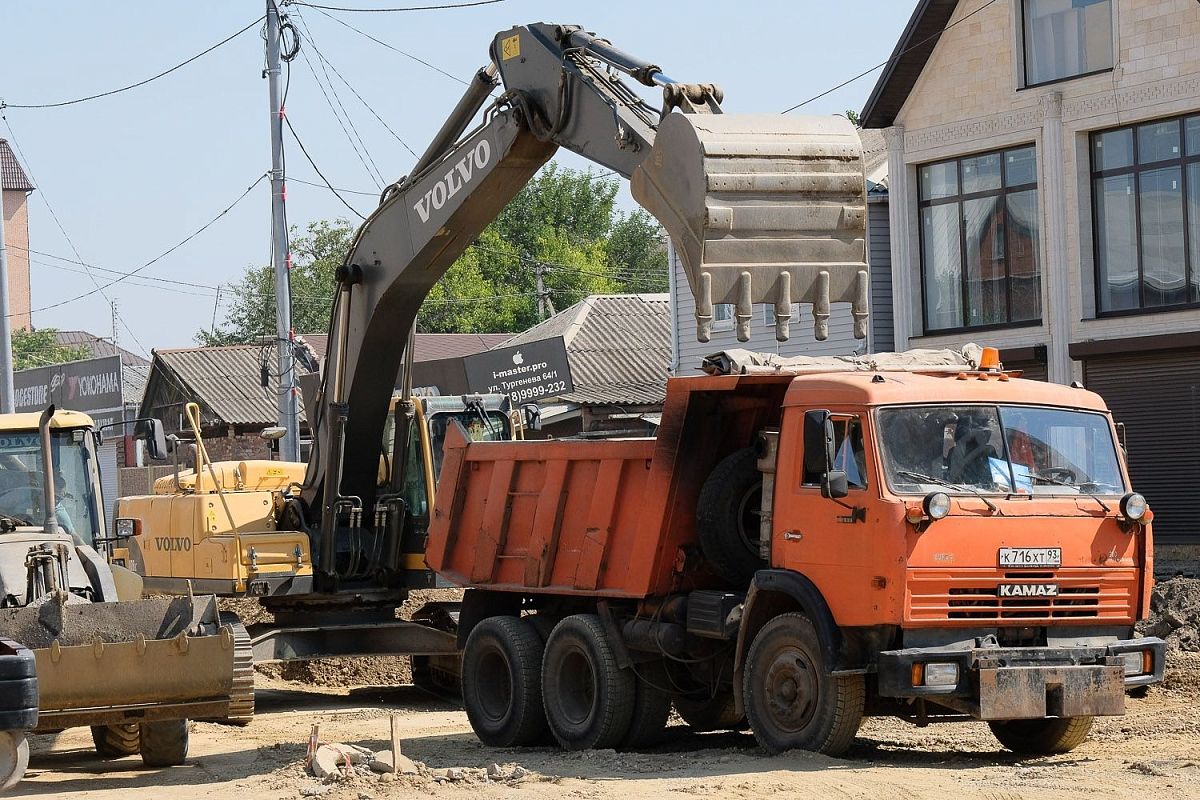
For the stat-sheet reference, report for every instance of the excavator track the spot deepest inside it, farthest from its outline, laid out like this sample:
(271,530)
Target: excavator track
(241,700)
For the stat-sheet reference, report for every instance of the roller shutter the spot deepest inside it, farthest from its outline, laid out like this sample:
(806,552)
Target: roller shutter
(1157,397)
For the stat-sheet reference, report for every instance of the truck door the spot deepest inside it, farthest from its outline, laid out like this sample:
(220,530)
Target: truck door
(828,539)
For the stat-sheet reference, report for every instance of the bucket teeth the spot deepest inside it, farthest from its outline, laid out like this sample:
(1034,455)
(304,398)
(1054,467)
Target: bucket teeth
(762,209)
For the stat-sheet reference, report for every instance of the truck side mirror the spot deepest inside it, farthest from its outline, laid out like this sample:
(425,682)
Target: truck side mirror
(834,484)
(156,441)
(533,416)
(818,444)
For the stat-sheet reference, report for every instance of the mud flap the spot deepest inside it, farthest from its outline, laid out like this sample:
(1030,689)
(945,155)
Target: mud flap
(1051,691)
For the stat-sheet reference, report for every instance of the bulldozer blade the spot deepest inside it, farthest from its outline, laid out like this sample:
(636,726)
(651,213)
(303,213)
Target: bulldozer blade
(762,209)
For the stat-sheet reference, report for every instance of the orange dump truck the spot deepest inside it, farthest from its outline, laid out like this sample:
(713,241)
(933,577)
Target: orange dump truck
(800,548)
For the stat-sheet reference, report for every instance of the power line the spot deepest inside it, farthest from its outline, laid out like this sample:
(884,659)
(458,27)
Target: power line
(317,169)
(393,48)
(894,57)
(164,73)
(125,275)
(443,7)
(349,86)
(325,186)
(108,270)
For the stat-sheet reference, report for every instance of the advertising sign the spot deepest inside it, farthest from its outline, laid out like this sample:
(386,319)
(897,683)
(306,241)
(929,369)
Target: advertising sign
(526,373)
(91,386)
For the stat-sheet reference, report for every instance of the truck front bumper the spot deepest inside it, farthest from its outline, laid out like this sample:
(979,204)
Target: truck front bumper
(996,683)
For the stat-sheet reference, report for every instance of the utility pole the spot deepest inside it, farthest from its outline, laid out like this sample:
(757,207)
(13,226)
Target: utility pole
(115,320)
(6,354)
(545,307)
(289,407)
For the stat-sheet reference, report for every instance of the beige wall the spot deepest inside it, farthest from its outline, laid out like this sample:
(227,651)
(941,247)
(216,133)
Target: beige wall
(968,99)
(16,239)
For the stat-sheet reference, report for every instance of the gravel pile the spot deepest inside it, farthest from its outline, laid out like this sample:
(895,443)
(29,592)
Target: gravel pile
(1175,614)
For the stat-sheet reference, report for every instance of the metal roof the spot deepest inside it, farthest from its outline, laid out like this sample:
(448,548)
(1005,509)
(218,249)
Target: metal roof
(11,174)
(618,347)
(99,346)
(133,382)
(912,52)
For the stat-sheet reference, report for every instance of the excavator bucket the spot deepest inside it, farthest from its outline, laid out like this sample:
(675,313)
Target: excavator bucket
(762,208)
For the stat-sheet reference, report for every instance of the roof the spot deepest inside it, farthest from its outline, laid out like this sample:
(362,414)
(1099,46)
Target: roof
(227,380)
(432,346)
(618,347)
(11,174)
(133,382)
(908,60)
(30,420)
(99,346)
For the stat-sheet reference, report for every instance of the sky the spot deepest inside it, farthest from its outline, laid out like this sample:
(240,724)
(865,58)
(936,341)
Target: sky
(132,175)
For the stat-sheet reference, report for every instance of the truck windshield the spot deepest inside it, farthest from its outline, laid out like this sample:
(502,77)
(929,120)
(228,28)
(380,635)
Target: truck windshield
(999,450)
(21,494)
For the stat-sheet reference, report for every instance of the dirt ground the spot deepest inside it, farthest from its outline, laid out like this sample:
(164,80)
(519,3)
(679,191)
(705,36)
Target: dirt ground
(1154,751)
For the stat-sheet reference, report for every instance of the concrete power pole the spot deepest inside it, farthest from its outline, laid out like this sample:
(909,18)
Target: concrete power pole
(289,407)
(6,354)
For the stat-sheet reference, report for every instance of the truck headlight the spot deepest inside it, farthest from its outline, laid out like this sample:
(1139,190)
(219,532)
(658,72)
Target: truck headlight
(936,505)
(1139,662)
(941,674)
(1133,506)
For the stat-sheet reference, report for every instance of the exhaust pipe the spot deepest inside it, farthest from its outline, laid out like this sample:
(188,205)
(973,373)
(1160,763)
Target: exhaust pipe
(51,524)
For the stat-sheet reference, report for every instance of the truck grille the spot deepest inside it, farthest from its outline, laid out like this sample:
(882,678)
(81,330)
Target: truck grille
(939,596)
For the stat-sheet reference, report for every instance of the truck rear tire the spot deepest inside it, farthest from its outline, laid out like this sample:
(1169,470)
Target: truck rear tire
(1042,736)
(502,682)
(651,707)
(792,700)
(164,743)
(116,741)
(14,758)
(727,517)
(716,713)
(589,699)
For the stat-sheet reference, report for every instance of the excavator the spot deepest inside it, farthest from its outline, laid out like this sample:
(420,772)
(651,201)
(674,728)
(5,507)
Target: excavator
(761,208)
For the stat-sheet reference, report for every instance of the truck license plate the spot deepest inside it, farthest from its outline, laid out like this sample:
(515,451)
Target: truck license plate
(1031,556)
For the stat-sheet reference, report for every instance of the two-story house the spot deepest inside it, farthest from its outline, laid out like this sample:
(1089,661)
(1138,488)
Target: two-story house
(15,188)
(1044,176)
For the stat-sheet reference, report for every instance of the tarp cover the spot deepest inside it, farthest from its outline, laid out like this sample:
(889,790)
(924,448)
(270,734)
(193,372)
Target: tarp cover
(746,362)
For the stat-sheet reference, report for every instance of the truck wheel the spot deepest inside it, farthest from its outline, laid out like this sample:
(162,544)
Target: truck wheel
(1042,736)
(14,758)
(717,713)
(116,741)
(164,743)
(727,517)
(502,682)
(589,699)
(651,707)
(791,699)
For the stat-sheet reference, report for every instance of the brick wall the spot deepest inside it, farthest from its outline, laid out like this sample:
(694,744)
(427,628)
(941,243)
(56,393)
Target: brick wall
(16,239)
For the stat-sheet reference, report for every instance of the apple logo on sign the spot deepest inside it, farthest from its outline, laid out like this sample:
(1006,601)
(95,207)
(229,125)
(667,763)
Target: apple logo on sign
(518,358)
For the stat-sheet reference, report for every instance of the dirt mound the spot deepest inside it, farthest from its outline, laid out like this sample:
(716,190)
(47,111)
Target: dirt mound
(343,672)
(1175,614)
(248,609)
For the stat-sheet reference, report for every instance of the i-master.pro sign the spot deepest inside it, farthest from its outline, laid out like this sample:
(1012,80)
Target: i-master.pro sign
(526,373)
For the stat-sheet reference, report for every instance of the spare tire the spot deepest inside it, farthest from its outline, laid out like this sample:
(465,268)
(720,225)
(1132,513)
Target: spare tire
(727,517)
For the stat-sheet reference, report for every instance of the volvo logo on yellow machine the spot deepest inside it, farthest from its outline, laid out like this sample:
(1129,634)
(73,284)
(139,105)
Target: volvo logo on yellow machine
(173,543)
(1028,590)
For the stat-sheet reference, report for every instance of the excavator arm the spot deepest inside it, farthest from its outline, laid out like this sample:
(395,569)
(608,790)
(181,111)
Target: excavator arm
(762,208)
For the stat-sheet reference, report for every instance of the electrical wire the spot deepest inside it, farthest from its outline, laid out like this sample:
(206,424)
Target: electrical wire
(293,179)
(317,169)
(443,7)
(392,47)
(349,86)
(125,275)
(162,74)
(171,281)
(894,57)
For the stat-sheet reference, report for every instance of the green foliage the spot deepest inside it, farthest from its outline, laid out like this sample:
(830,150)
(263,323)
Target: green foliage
(852,115)
(40,348)
(563,225)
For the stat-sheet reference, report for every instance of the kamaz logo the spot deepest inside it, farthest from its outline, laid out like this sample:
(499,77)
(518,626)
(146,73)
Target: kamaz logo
(454,180)
(1028,590)
(178,544)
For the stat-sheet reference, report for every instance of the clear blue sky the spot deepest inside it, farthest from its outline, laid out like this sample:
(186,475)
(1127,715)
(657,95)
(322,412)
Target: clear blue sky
(133,174)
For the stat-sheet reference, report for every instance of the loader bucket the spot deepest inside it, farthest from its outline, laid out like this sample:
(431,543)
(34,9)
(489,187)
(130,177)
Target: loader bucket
(109,663)
(762,208)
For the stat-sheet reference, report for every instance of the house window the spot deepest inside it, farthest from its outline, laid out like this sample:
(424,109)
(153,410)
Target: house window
(1146,214)
(722,317)
(979,241)
(1066,39)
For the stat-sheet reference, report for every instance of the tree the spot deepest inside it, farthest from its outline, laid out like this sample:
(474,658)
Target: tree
(40,348)
(563,226)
